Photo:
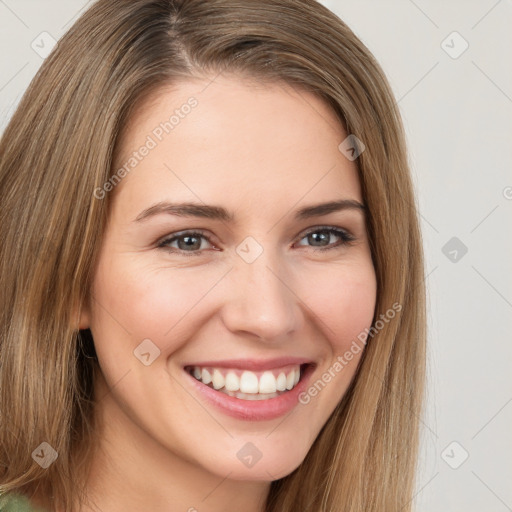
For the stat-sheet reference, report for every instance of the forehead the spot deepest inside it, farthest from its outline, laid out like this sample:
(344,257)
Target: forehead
(231,139)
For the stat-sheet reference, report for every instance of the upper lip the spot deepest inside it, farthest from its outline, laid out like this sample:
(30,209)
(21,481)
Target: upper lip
(252,364)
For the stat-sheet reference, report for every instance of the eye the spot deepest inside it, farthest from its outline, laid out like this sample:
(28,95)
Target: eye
(189,243)
(320,237)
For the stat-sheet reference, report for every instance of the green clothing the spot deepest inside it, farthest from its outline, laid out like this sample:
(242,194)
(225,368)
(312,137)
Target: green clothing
(16,503)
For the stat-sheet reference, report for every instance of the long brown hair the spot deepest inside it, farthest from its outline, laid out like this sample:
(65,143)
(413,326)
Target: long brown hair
(59,147)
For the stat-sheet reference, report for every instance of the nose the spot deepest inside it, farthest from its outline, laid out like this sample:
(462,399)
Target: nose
(260,300)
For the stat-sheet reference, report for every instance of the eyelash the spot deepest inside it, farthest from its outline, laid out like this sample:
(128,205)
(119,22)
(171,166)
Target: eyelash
(346,240)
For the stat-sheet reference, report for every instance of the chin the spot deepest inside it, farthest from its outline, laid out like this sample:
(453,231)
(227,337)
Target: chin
(252,464)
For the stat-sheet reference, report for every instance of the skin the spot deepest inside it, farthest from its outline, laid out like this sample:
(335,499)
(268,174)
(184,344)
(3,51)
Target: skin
(261,151)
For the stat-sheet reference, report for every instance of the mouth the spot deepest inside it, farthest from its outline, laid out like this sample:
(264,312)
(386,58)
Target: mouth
(247,384)
(248,390)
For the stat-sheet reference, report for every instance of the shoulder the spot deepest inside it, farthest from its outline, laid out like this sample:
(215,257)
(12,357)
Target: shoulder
(16,503)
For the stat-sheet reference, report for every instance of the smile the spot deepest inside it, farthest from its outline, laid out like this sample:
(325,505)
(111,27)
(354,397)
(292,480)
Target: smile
(249,385)
(249,390)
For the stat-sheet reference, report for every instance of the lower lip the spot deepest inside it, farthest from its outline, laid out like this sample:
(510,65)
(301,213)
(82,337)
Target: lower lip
(254,410)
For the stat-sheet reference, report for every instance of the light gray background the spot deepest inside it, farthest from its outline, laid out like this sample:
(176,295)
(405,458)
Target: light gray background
(458,117)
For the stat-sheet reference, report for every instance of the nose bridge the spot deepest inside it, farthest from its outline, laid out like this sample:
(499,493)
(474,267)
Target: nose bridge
(260,301)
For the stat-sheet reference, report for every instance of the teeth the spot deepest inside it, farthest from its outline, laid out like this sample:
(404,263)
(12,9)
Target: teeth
(281,382)
(232,382)
(248,385)
(206,376)
(218,379)
(290,379)
(267,383)
(248,396)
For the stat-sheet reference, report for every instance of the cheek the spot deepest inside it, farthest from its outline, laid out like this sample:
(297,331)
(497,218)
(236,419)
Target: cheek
(133,303)
(344,302)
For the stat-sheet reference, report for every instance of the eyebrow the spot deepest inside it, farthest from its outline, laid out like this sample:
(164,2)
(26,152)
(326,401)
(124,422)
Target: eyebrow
(219,213)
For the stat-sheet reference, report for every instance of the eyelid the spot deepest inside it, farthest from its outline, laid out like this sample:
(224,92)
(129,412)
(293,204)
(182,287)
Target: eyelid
(314,229)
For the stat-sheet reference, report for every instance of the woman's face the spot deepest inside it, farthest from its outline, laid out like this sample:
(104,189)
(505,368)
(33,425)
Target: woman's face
(246,287)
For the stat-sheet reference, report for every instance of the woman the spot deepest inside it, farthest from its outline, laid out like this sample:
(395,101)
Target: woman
(211,267)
